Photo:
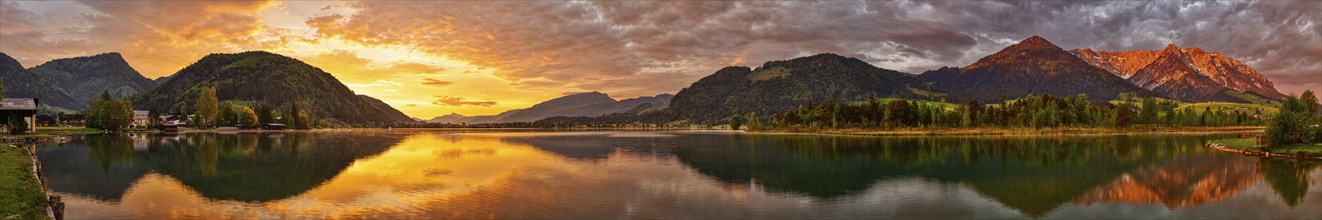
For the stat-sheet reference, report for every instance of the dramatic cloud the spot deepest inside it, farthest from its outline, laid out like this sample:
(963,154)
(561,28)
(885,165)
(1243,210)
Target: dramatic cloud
(535,49)
(155,36)
(434,82)
(669,44)
(444,100)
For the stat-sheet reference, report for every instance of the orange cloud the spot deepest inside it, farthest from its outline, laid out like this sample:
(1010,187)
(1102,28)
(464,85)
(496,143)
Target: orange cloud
(444,100)
(351,68)
(434,82)
(156,37)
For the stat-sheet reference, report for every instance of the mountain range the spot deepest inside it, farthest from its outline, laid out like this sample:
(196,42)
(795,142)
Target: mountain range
(588,104)
(1032,66)
(1194,65)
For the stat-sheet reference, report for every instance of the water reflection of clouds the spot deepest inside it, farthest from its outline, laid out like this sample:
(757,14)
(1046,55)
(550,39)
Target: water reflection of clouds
(598,175)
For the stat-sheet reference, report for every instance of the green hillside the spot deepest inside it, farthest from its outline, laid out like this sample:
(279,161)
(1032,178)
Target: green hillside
(270,79)
(777,86)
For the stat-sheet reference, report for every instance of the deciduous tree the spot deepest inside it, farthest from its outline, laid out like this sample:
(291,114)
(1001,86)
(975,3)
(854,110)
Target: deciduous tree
(248,117)
(207,107)
(736,122)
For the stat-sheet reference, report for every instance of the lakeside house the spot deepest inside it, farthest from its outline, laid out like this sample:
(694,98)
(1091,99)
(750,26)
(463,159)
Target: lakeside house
(73,119)
(141,118)
(24,108)
(176,119)
(47,120)
(273,126)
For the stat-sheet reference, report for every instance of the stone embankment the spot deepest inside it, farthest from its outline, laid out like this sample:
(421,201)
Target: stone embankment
(34,140)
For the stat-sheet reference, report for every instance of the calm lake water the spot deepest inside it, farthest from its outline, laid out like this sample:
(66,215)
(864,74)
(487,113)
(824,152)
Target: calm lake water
(707,175)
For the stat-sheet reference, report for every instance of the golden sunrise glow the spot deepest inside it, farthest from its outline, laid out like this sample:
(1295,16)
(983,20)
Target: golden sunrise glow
(444,175)
(394,73)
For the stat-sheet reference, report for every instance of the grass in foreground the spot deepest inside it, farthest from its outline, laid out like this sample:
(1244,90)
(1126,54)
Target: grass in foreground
(1238,143)
(23,198)
(67,130)
(80,128)
(1299,149)
(1251,144)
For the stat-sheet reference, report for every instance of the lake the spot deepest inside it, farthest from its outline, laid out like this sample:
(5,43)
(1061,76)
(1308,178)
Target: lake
(679,174)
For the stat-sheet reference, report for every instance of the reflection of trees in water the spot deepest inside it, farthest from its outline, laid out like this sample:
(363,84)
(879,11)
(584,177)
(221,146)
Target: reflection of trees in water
(110,149)
(207,153)
(243,167)
(293,163)
(1032,174)
(1288,177)
(96,167)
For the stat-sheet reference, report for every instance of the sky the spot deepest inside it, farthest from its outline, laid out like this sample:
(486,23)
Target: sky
(430,58)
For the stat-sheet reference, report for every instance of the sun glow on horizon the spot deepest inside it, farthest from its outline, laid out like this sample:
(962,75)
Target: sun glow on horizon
(480,58)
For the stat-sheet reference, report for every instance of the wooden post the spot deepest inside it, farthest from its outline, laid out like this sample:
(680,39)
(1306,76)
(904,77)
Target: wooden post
(57,207)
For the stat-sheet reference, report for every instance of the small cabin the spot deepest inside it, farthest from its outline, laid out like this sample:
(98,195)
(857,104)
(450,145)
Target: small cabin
(23,108)
(273,126)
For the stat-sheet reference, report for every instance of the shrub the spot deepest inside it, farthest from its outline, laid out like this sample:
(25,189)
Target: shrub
(736,122)
(17,125)
(1312,134)
(1285,129)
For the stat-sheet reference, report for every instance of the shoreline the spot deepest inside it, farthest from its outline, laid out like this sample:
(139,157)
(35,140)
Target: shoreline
(58,137)
(1020,131)
(1254,151)
(35,139)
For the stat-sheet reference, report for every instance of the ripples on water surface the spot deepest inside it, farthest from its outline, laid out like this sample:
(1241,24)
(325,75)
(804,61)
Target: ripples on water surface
(594,175)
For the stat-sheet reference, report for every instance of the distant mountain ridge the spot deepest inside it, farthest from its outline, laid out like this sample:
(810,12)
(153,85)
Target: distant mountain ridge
(271,79)
(782,85)
(85,78)
(1032,66)
(588,104)
(544,109)
(21,83)
(1223,70)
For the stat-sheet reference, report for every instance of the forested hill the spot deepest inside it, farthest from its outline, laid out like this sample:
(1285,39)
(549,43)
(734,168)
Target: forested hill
(777,86)
(269,79)
(20,83)
(85,78)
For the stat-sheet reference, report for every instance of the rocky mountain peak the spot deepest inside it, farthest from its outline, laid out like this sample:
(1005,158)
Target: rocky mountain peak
(1221,69)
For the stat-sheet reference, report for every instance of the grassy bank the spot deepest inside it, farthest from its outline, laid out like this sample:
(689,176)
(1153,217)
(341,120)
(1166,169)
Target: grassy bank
(1250,144)
(23,197)
(1016,131)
